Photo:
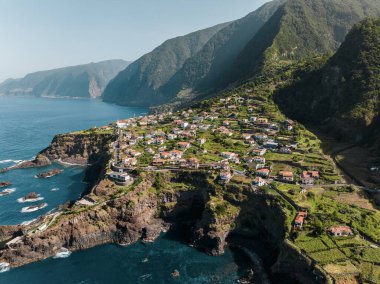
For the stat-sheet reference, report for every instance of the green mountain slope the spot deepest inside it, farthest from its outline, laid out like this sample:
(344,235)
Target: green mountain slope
(201,70)
(299,29)
(139,83)
(87,80)
(344,93)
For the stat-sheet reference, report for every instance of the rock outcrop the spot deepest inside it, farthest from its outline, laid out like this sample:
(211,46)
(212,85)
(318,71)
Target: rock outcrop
(72,148)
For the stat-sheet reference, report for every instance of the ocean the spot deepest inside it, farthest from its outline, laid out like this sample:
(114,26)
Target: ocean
(27,125)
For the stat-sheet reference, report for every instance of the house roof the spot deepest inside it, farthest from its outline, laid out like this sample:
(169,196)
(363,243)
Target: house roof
(286,173)
(340,229)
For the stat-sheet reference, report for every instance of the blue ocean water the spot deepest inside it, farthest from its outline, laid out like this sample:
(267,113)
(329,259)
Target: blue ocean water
(139,263)
(27,125)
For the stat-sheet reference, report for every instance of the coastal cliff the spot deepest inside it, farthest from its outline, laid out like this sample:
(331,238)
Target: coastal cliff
(187,201)
(72,148)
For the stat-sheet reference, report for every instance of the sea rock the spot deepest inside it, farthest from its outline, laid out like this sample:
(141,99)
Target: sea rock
(5,184)
(50,173)
(40,161)
(175,273)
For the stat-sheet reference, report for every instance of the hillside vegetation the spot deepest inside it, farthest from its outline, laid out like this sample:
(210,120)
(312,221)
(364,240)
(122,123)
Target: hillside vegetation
(201,71)
(300,29)
(139,83)
(344,93)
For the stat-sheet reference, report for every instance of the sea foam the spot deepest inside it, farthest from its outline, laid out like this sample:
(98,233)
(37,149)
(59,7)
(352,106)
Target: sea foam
(22,200)
(4,267)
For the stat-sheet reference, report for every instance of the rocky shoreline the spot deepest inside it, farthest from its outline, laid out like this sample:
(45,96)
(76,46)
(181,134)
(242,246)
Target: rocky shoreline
(125,216)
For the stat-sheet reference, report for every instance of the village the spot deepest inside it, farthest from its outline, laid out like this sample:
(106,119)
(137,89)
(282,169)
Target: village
(243,138)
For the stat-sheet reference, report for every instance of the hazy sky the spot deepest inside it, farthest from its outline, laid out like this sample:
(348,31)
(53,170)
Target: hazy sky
(44,34)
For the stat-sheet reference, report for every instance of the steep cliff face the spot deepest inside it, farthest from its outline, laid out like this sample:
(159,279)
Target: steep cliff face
(124,220)
(73,148)
(78,148)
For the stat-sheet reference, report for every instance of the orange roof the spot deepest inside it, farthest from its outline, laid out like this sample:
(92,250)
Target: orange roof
(314,173)
(286,174)
(340,229)
(299,219)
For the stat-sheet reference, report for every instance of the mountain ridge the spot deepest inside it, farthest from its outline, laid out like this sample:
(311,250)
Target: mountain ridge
(343,93)
(87,80)
(138,84)
(278,33)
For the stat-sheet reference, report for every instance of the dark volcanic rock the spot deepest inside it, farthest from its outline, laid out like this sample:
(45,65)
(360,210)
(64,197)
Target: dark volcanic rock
(31,196)
(5,183)
(50,173)
(40,161)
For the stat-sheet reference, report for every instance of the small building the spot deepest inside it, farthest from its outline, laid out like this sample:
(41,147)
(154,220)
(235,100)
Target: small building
(134,153)
(229,155)
(165,155)
(262,120)
(130,162)
(184,124)
(288,124)
(286,150)
(122,124)
(201,141)
(158,162)
(171,136)
(300,219)
(259,152)
(246,136)
(176,154)
(259,159)
(194,163)
(183,145)
(263,172)
(308,177)
(271,145)
(286,175)
(340,231)
(120,177)
(258,181)
(225,176)
(307,180)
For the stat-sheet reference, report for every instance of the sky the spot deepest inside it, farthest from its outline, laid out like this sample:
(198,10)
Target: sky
(45,34)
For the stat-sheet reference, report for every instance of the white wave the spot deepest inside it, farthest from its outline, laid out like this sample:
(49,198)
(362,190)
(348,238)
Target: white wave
(145,260)
(32,208)
(63,253)
(54,189)
(4,267)
(22,200)
(11,161)
(26,223)
(71,164)
(7,191)
(145,276)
